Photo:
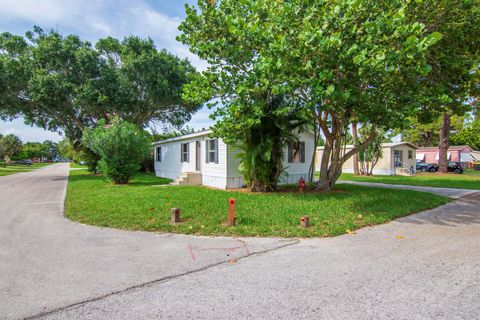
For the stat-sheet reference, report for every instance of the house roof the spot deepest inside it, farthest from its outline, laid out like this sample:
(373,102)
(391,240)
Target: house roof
(451,148)
(194,135)
(185,136)
(384,145)
(476,155)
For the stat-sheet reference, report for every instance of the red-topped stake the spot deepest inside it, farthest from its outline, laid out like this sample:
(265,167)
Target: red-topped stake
(301,185)
(304,222)
(231,212)
(175,215)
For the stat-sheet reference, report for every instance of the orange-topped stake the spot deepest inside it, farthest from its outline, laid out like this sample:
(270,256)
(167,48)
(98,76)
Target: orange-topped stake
(231,212)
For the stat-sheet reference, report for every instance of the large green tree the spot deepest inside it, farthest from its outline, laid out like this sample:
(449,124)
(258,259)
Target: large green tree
(340,60)
(454,60)
(33,150)
(63,83)
(425,132)
(469,135)
(250,114)
(11,145)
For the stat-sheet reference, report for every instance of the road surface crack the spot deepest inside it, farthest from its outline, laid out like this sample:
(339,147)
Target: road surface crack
(156,281)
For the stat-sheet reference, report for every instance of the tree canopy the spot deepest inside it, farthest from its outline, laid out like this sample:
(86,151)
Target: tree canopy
(10,146)
(338,60)
(454,61)
(63,83)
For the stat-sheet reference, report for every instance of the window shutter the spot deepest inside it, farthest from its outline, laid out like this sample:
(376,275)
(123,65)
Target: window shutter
(181,150)
(302,152)
(290,147)
(188,152)
(216,151)
(206,150)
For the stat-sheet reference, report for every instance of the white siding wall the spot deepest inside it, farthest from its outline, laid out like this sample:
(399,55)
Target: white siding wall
(170,166)
(234,177)
(294,171)
(213,174)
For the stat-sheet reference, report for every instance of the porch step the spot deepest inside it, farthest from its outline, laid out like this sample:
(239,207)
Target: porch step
(403,172)
(189,179)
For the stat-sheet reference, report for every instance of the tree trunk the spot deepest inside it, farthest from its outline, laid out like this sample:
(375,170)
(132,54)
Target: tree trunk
(311,171)
(356,170)
(443,144)
(333,128)
(324,182)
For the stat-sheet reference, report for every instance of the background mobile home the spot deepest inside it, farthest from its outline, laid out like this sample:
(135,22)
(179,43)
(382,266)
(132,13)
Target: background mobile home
(398,159)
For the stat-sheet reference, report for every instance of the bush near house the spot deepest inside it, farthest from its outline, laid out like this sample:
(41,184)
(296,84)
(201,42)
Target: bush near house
(122,146)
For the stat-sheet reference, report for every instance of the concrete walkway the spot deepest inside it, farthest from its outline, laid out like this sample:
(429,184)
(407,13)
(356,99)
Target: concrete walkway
(446,192)
(48,262)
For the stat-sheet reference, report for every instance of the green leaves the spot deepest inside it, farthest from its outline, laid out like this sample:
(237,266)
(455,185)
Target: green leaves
(434,37)
(122,146)
(64,84)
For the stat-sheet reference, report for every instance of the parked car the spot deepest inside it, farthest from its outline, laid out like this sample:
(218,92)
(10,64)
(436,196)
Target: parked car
(454,167)
(427,167)
(26,162)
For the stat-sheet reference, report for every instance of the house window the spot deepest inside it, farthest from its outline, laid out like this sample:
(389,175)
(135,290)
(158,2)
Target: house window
(296,152)
(410,154)
(184,152)
(159,154)
(211,150)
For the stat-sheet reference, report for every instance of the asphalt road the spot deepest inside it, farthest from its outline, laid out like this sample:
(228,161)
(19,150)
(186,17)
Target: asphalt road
(48,262)
(425,266)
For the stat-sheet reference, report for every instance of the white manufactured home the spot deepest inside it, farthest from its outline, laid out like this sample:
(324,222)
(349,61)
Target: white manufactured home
(398,158)
(198,159)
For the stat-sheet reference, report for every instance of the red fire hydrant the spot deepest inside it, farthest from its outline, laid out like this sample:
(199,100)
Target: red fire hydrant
(301,185)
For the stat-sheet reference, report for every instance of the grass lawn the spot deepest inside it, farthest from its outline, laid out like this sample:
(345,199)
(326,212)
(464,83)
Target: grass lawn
(77,165)
(142,206)
(468,180)
(21,168)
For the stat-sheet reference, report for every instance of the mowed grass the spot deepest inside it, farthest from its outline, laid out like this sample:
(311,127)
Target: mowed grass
(468,180)
(77,165)
(8,170)
(143,206)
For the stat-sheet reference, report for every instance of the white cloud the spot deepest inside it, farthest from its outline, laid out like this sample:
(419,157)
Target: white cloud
(27,133)
(99,18)
(201,119)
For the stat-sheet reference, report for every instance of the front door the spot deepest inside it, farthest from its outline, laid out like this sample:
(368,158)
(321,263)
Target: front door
(198,155)
(398,158)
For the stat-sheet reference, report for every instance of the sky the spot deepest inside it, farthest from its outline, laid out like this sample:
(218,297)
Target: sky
(95,19)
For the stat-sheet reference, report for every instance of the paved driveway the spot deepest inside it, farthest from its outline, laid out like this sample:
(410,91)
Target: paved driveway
(425,266)
(445,192)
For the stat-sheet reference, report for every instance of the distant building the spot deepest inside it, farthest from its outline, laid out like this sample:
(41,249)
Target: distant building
(397,159)
(462,154)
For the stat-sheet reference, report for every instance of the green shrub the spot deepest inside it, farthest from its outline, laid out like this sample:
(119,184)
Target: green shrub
(3,164)
(122,147)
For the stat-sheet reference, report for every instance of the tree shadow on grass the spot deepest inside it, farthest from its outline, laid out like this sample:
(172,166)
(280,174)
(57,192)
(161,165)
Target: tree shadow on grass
(139,180)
